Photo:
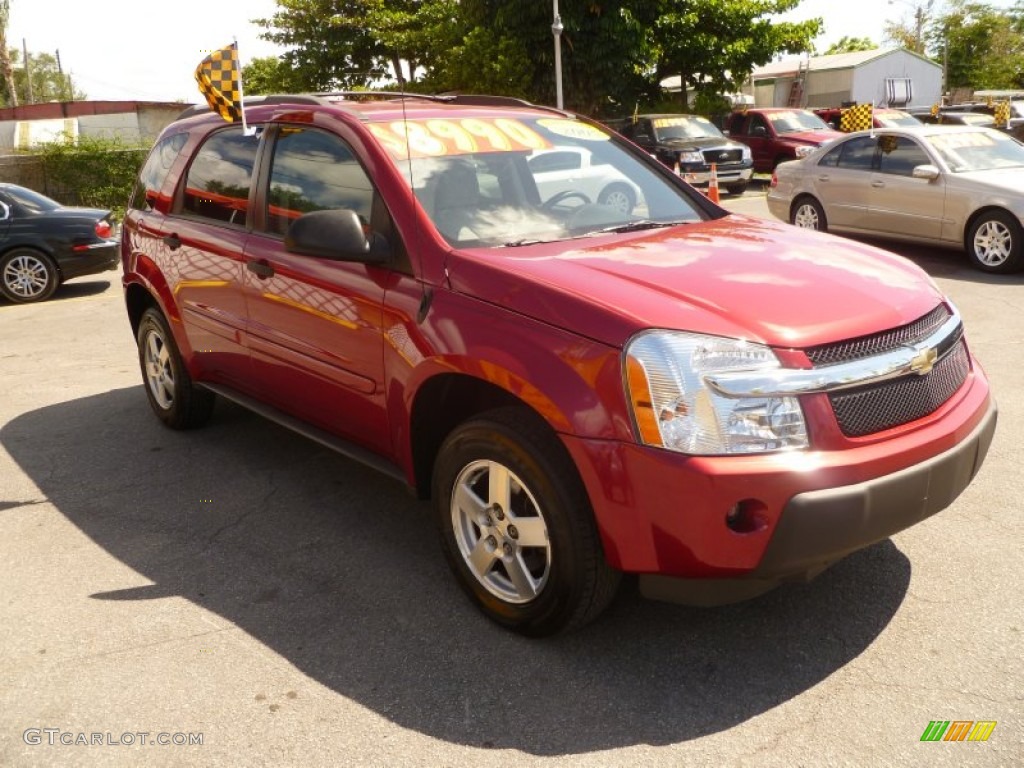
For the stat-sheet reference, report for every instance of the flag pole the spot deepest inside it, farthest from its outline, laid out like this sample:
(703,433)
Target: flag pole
(241,93)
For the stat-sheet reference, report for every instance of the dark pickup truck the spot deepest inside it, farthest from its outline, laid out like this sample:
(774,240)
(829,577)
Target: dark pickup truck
(692,143)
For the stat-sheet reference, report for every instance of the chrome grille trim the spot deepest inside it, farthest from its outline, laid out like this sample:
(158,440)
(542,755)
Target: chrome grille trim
(908,359)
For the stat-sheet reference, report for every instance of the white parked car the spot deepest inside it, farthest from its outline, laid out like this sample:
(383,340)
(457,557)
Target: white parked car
(575,175)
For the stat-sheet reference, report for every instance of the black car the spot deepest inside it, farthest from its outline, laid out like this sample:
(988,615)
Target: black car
(43,243)
(690,144)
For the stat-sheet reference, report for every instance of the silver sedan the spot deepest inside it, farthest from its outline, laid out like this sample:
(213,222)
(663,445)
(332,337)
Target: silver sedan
(951,186)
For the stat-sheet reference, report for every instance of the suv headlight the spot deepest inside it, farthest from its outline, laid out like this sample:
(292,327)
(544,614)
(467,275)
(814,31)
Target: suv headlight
(804,150)
(673,408)
(747,154)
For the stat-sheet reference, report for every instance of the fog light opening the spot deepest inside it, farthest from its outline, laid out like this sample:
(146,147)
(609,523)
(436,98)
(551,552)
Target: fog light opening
(747,516)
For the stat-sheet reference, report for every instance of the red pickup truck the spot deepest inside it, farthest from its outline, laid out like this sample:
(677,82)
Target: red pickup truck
(775,135)
(584,389)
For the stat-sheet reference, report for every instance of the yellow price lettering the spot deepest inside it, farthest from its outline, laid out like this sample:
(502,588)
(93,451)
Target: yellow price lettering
(419,138)
(520,133)
(494,137)
(453,132)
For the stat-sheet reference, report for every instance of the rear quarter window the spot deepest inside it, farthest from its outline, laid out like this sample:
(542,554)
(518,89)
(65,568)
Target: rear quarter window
(154,171)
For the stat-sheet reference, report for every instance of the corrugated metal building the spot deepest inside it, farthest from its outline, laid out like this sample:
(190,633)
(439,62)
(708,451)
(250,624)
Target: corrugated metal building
(892,77)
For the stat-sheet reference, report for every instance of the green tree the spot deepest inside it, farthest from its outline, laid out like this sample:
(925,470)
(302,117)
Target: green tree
(715,44)
(851,45)
(985,45)
(48,83)
(270,75)
(10,94)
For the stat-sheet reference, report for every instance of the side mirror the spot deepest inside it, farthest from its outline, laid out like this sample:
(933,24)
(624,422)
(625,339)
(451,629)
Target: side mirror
(929,172)
(336,235)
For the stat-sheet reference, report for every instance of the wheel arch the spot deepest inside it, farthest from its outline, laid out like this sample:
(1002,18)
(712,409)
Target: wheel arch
(443,402)
(973,219)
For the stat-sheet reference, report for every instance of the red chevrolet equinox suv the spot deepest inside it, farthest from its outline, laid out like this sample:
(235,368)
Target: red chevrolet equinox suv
(584,388)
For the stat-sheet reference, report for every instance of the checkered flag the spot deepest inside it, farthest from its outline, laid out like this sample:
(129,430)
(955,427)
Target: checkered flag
(856,118)
(1003,114)
(219,82)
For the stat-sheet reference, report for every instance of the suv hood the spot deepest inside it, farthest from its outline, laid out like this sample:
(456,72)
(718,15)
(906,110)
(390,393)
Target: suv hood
(705,142)
(735,276)
(817,138)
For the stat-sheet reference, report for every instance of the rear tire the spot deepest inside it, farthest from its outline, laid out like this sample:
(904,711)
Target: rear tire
(618,196)
(737,189)
(27,275)
(173,396)
(994,243)
(517,527)
(807,213)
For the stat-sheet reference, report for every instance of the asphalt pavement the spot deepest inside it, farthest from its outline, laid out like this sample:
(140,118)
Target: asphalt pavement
(239,596)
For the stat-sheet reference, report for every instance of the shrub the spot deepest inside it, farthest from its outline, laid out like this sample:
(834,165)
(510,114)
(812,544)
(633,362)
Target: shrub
(98,173)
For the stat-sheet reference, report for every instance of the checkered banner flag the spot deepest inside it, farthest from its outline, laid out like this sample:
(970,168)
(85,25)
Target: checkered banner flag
(219,81)
(856,118)
(1003,114)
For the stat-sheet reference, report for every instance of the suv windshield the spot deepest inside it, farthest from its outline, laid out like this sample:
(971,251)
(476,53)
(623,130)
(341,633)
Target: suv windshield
(501,181)
(666,128)
(795,121)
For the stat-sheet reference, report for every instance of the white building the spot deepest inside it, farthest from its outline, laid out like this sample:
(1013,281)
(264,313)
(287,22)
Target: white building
(893,77)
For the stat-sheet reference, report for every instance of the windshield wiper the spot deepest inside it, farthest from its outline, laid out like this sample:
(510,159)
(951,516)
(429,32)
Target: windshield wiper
(636,226)
(525,241)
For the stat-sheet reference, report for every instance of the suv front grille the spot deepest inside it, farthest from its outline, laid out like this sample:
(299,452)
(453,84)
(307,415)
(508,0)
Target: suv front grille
(720,156)
(876,407)
(878,343)
(883,406)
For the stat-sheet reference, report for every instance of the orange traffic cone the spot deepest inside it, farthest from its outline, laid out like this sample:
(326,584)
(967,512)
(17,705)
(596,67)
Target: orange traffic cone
(713,185)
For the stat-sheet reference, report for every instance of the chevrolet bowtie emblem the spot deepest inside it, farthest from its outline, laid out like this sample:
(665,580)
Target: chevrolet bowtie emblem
(924,361)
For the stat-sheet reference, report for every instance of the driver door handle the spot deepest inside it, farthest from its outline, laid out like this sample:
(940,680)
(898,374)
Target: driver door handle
(260,268)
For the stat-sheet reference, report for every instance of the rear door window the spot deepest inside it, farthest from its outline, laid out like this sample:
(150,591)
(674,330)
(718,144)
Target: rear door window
(220,178)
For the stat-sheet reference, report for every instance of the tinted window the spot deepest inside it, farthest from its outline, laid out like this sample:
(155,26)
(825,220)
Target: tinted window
(900,155)
(856,154)
(313,171)
(556,161)
(219,180)
(154,172)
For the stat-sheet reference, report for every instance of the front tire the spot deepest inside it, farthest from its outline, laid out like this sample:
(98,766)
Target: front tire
(516,525)
(173,396)
(807,213)
(737,189)
(994,243)
(26,275)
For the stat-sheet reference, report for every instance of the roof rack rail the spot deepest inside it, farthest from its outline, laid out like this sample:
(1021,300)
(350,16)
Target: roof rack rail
(324,98)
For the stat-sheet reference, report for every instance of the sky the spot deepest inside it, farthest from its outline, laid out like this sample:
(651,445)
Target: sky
(130,50)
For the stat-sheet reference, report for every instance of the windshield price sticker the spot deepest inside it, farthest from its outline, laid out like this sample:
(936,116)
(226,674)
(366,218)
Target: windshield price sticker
(445,137)
(574,130)
(962,140)
(665,122)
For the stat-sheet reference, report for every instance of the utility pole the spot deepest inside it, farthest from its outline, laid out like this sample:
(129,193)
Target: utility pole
(28,73)
(556,30)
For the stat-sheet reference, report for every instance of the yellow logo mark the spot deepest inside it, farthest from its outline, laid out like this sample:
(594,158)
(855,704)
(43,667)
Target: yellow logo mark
(924,361)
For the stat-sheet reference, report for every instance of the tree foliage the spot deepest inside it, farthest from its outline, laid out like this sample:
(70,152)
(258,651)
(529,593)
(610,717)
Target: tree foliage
(93,172)
(851,45)
(48,83)
(613,52)
(984,45)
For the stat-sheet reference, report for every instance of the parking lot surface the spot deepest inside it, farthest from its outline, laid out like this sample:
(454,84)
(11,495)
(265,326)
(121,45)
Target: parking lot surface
(242,587)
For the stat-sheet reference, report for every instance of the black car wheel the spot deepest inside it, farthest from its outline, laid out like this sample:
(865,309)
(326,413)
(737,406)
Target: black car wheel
(994,243)
(807,213)
(27,275)
(736,189)
(516,525)
(175,399)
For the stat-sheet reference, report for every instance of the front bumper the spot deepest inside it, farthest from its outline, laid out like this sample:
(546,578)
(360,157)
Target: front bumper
(669,514)
(700,176)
